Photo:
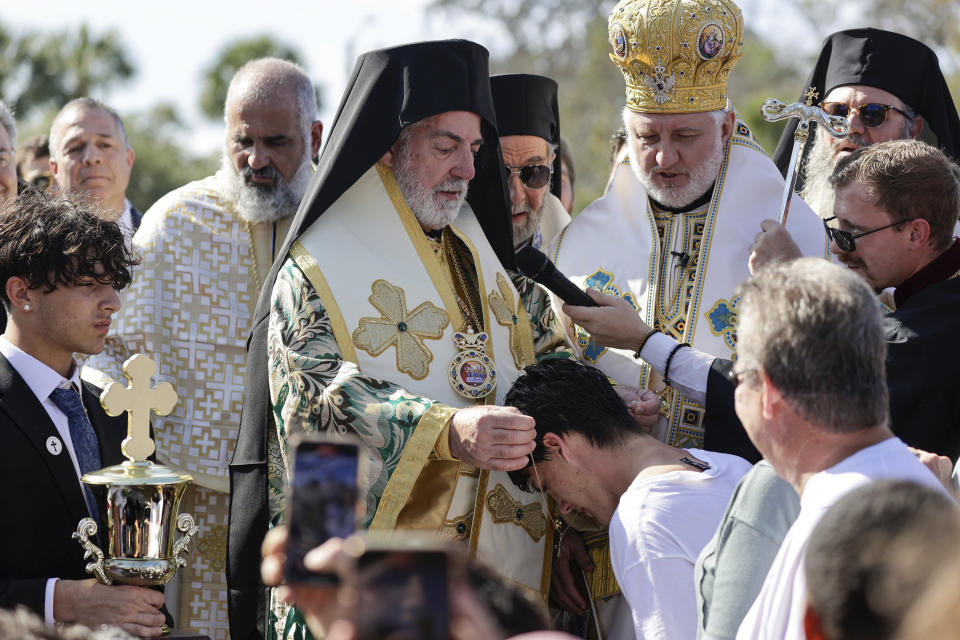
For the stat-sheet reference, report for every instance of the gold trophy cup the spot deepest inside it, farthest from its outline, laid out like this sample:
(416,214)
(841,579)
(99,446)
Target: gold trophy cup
(143,498)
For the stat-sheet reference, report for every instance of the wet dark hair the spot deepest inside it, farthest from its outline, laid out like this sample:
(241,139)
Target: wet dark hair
(52,241)
(565,396)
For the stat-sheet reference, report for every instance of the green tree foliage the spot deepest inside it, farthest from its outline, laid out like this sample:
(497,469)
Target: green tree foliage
(567,41)
(574,51)
(162,164)
(46,70)
(41,71)
(217,76)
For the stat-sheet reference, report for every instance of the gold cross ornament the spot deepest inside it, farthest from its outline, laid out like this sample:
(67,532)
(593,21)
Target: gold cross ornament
(811,94)
(138,399)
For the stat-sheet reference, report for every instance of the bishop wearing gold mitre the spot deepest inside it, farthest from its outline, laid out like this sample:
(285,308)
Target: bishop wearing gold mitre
(681,211)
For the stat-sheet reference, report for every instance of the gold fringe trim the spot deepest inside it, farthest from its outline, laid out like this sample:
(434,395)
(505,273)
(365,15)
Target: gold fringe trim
(603,583)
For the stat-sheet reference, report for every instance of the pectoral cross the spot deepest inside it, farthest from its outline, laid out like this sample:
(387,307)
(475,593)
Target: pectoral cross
(138,399)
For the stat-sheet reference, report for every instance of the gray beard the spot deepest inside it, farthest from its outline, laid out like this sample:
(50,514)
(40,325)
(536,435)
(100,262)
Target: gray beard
(701,178)
(529,227)
(430,211)
(258,204)
(820,164)
(816,190)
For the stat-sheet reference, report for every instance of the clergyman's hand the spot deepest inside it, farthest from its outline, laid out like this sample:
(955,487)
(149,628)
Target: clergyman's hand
(772,244)
(571,557)
(495,438)
(644,405)
(136,610)
(614,323)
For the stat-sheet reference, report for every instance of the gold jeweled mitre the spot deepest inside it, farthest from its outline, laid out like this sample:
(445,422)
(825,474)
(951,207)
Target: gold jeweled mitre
(676,55)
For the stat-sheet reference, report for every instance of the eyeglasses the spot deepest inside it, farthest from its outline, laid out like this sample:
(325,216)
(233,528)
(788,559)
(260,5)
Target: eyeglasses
(736,377)
(534,176)
(873,114)
(845,239)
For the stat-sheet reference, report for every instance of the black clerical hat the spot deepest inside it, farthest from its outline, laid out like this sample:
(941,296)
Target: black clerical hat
(890,61)
(392,88)
(526,105)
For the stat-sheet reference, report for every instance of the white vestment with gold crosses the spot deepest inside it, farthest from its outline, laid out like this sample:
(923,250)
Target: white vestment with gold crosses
(189,307)
(680,271)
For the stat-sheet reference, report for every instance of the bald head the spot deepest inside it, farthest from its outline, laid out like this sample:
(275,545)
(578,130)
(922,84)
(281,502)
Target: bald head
(272,133)
(273,79)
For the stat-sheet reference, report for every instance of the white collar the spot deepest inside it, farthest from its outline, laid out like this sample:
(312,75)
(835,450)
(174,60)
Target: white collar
(41,379)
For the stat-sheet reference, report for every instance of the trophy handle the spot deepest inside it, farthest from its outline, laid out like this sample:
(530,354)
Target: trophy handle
(186,526)
(87,528)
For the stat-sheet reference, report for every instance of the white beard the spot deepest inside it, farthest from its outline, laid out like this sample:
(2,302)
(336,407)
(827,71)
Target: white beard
(430,210)
(261,204)
(702,177)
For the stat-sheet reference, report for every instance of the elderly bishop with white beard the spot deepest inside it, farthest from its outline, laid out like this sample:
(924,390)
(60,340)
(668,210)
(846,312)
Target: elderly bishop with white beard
(673,232)
(207,248)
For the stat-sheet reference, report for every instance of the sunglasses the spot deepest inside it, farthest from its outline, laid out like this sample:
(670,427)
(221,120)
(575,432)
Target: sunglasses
(534,176)
(736,377)
(872,114)
(846,240)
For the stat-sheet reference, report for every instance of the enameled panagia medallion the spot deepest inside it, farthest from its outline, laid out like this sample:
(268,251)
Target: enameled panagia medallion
(471,370)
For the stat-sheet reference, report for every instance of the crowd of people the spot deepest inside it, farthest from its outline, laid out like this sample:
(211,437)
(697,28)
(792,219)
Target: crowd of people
(750,433)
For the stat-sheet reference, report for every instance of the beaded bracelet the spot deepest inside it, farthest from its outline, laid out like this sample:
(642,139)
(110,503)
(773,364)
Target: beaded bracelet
(636,353)
(666,368)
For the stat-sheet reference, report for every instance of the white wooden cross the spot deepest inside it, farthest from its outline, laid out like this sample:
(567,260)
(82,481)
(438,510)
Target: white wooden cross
(138,399)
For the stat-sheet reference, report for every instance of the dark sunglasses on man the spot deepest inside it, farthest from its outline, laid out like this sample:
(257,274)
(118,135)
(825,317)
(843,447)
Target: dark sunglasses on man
(872,114)
(846,240)
(534,176)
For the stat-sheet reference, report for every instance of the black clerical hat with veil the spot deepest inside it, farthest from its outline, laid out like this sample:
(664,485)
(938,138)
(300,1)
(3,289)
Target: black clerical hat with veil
(527,105)
(395,87)
(890,61)
(388,90)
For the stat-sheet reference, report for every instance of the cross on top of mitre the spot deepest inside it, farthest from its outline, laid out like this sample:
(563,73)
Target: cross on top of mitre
(138,399)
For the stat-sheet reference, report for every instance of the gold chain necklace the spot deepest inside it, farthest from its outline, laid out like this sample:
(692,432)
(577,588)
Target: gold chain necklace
(461,288)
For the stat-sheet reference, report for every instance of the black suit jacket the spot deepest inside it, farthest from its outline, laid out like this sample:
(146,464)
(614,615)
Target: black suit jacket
(41,499)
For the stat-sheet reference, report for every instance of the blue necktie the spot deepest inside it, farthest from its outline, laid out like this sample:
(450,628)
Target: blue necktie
(84,439)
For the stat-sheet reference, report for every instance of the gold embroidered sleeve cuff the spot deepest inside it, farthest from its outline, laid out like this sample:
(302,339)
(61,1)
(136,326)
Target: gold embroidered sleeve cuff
(416,453)
(441,412)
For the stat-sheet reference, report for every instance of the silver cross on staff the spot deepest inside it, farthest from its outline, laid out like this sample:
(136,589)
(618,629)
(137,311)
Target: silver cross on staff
(837,126)
(139,399)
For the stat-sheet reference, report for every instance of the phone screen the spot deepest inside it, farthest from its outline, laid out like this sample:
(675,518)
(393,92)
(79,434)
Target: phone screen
(403,595)
(322,504)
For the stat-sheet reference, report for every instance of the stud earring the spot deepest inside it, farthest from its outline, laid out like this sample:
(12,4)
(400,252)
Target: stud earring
(26,307)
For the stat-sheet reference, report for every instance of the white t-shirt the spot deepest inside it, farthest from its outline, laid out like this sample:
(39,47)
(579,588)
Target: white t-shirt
(659,528)
(778,611)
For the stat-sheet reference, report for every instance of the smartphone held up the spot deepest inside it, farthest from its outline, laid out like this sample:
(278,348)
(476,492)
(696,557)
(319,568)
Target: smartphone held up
(322,502)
